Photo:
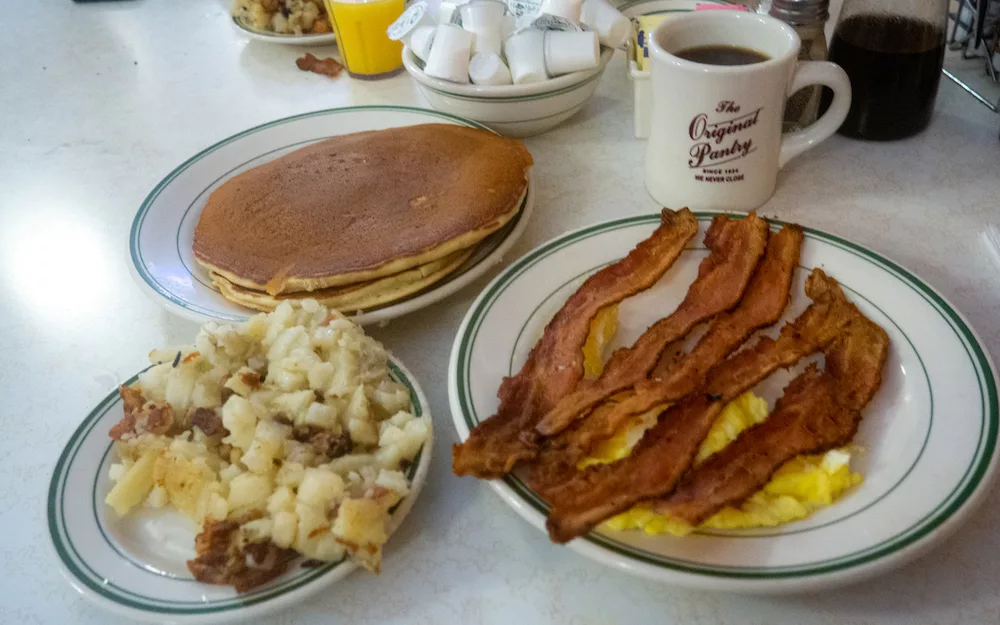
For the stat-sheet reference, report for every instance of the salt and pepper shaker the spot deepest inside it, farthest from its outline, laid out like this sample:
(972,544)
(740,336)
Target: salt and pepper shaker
(808,18)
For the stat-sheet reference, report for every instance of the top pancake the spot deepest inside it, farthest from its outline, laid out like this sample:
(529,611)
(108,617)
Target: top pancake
(360,206)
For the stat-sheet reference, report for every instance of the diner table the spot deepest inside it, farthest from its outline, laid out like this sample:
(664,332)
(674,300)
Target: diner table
(99,101)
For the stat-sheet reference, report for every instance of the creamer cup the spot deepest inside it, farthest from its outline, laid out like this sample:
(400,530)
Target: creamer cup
(416,15)
(486,42)
(421,40)
(566,9)
(489,69)
(482,15)
(611,26)
(525,54)
(449,55)
(571,52)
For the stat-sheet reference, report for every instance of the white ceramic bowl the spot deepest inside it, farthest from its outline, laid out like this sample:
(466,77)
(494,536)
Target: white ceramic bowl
(511,110)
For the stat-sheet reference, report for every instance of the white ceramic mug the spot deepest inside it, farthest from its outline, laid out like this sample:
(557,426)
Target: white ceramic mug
(715,139)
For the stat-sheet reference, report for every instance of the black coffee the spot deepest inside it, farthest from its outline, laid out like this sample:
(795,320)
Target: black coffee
(722,55)
(895,66)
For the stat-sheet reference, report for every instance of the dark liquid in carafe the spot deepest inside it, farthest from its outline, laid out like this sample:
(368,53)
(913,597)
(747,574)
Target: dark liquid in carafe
(895,66)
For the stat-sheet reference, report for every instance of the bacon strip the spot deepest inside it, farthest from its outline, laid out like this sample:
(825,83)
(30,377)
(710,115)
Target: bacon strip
(763,304)
(668,448)
(817,412)
(737,246)
(555,365)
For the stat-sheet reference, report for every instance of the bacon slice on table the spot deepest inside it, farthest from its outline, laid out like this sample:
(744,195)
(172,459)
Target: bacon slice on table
(667,449)
(817,412)
(737,246)
(555,364)
(327,67)
(763,303)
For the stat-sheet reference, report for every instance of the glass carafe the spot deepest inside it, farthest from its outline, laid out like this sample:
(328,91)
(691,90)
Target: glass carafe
(893,51)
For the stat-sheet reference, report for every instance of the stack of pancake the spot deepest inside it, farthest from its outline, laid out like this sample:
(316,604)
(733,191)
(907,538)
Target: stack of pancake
(360,220)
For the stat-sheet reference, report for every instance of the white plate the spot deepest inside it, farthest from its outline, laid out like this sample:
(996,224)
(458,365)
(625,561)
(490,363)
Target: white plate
(292,40)
(163,229)
(929,436)
(135,567)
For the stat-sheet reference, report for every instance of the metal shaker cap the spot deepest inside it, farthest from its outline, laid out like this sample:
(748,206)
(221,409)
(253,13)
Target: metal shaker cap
(801,12)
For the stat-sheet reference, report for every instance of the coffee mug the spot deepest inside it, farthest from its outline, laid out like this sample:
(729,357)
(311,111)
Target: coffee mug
(715,140)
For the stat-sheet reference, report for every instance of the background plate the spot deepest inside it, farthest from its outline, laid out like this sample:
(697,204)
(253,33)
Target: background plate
(163,229)
(288,40)
(123,566)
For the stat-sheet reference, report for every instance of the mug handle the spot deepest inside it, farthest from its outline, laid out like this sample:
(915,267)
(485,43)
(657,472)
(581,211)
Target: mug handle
(817,73)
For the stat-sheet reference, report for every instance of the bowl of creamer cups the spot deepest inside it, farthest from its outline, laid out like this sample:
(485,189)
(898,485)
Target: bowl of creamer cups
(512,110)
(519,79)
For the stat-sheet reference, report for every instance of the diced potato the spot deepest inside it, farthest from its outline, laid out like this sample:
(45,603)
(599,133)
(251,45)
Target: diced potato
(320,487)
(322,415)
(133,486)
(287,340)
(320,375)
(293,405)
(249,491)
(238,381)
(346,373)
(390,435)
(239,418)
(180,388)
(328,549)
(218,509)
(393,480)
(281,499)
(351,462)
(285,375)
(291,474)
(184,480)
(257,531)
(228,473)
(260,457)
(158,497)
(362,432)
(360,521)
(391,398)
(116,471)
(284,528)
(358,408)
(313,523)
(274,432)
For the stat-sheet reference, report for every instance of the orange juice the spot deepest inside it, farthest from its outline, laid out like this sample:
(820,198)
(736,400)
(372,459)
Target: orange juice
(360,25)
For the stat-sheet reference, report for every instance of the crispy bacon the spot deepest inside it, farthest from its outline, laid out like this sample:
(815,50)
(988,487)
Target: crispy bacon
(763,303)
(327,67)
(141,416)
(668,448)
(555,365)
(737,246)
(817,412)
(224,559)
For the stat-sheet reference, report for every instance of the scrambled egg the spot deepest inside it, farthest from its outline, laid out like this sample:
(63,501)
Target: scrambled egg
(602,330)
(796,490)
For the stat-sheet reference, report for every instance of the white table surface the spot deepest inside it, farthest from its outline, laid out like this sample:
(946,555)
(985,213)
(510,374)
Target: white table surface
(99,102)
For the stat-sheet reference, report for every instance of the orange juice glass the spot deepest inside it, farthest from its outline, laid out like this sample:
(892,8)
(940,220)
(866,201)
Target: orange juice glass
(366,50)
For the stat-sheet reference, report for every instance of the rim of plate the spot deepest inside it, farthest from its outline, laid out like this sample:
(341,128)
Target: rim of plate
(904,545)
(487,253)
(287,39)
(293,587)
(633,8)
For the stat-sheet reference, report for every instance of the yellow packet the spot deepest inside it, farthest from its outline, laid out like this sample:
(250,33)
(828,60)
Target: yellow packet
(646,25)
